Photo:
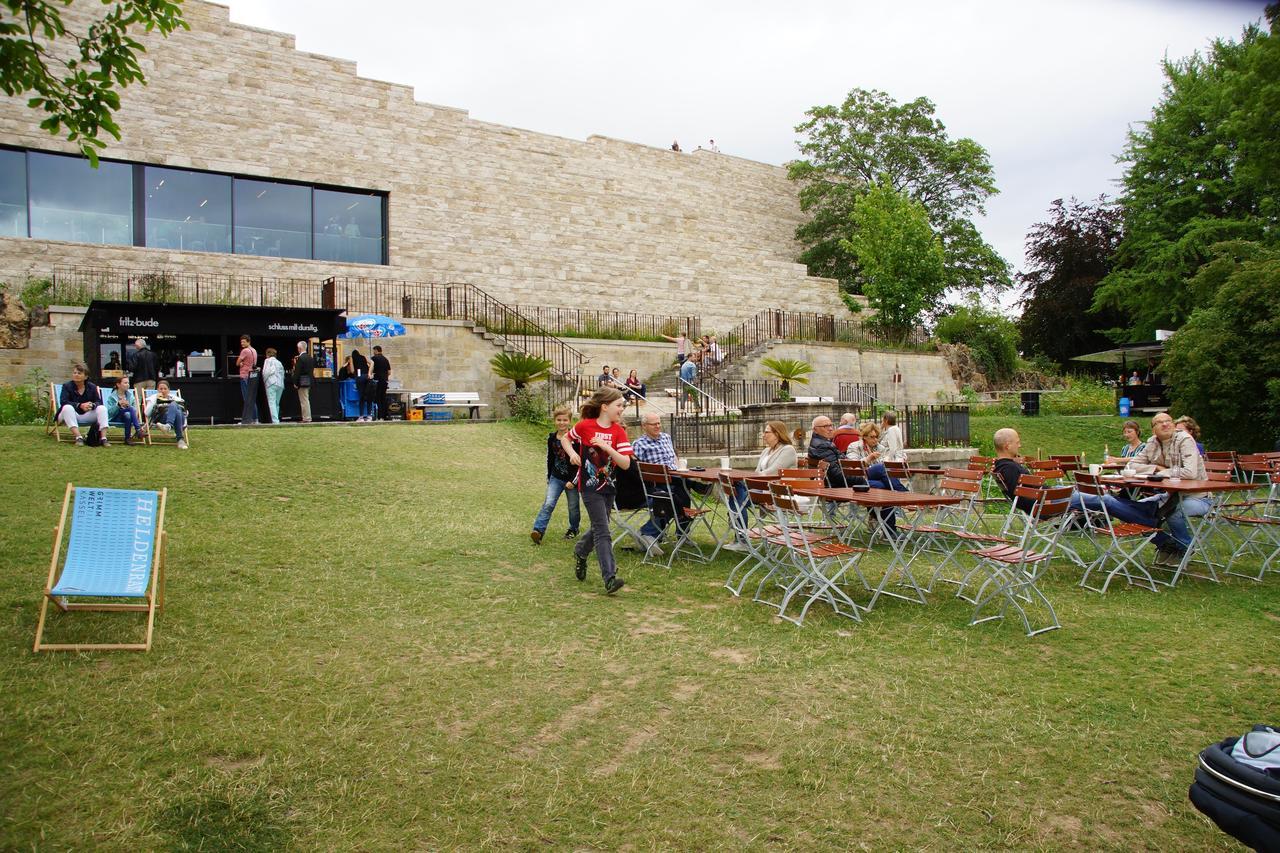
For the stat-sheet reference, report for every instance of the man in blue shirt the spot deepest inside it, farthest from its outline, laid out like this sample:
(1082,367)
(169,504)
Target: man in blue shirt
(689,374)
(655,446)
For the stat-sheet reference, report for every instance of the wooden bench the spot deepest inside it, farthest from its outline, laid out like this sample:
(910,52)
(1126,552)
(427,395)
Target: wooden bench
(438,406)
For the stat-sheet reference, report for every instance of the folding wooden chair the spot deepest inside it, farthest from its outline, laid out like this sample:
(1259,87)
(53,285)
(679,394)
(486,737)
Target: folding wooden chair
(755,532)
(1119,539)
(52,426)
(659,490)
(115,550)
(1260,534)
(952,527)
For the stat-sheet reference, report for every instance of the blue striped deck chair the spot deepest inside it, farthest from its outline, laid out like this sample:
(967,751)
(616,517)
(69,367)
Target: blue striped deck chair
(115,550)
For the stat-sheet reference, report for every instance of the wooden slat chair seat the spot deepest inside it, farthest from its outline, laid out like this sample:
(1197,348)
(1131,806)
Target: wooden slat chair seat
(819,567)
(1259,534)
(1118,542)
(659,492)
(761,556)
(115,560)
(1013,568)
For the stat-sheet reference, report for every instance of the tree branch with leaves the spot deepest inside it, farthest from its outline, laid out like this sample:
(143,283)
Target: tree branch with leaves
(75,77)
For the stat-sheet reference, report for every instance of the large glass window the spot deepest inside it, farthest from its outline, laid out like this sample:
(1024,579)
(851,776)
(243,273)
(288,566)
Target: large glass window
(190,211)
(272,219)
(13,193)
(72,201)
(348,227)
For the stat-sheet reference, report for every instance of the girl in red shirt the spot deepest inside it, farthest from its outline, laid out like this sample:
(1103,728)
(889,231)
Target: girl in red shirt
(598,444)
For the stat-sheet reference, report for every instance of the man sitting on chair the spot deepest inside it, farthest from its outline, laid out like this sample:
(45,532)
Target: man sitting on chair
(823,449)
(79,403)
(655,446)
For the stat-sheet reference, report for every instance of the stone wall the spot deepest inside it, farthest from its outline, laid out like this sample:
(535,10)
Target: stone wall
(925,376)
(52,348)
(530,218)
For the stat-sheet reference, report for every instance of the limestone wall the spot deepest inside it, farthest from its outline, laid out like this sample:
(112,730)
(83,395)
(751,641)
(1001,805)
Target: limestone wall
(925,376)
(52,348)
(531,218)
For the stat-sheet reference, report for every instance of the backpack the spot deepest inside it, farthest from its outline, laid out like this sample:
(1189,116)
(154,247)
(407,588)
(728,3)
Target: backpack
(93,438)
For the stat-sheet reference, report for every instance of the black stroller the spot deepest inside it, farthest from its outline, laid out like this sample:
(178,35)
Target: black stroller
(1242,799)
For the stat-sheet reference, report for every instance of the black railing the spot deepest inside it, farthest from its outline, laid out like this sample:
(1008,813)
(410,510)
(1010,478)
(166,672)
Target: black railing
(862,393)
(610,325)
(81,285)
(922,426)
(775,324)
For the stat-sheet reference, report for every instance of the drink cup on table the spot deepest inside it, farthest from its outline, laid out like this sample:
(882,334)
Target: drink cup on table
(1095,469)
(682,464)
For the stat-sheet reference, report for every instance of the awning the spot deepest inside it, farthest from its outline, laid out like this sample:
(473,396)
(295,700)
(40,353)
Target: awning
(1138,352)
(140,319)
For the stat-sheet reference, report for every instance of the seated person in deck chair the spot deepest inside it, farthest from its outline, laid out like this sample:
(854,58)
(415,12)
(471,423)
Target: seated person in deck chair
(79,402)
(168,413)
(122,408)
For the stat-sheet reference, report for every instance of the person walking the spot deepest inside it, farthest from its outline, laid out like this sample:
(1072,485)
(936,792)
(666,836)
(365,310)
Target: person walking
(561,475)
(142,366)
(598,444)
(304,367)
(273,380)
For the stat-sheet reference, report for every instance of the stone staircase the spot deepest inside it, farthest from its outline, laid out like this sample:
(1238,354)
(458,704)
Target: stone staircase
(737,369)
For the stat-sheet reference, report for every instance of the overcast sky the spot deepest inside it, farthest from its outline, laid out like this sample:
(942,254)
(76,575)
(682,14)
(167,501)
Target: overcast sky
(1048,88)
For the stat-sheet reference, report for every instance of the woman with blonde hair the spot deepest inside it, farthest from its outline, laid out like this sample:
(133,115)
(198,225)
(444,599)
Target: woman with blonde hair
(871,454)
(598,444)
(1188,424)
(778,453)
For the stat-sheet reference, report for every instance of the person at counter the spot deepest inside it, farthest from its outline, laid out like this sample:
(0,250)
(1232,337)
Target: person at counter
(143,366)
(273,381)
(81,403)
(304,367)
(360,373)
(122,408)
(381,376)
(247,365)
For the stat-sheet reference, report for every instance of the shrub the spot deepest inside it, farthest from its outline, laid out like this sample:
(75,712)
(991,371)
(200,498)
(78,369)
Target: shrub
(26,403)
(992,338)
(527,407)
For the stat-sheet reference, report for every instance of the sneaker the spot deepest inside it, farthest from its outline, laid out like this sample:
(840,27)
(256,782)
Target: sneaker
(104,443)
(613,584)
(79,441)
(1169,557)
(580,567)
(182,445)
(165,427)
(536,536)
(651,546)
(571,534)
(740,547)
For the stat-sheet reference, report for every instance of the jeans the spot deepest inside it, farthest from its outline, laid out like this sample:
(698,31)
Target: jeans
(128,417)
(657,521)
(1144,512)
(555,488)
(249,393)
(738,504)
(598,504)
(274,393)
(878,478)
(176,418)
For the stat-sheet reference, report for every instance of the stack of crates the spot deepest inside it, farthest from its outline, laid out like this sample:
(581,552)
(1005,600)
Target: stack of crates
(436,399)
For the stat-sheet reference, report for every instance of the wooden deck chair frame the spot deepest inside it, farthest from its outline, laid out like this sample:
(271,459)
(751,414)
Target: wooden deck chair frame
(153,431)
(52,426)
(154,598)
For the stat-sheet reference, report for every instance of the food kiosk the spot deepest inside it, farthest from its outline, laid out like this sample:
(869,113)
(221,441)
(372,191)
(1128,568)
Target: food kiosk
(196,348)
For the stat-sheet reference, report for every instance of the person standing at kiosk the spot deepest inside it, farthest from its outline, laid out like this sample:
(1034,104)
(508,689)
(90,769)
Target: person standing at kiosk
(303,371)
(381,376)
(247,364)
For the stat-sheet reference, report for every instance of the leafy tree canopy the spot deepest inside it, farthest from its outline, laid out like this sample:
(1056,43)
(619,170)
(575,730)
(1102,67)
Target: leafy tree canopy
(1067,256)
(902,261)
(870,139)
(1224,364)
(74,77)
(1205,169)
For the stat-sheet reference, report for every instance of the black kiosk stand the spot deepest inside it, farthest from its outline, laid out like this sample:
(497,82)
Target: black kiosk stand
(196,348)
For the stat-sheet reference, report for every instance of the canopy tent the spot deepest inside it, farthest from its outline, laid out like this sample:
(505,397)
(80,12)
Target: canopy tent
(1138,353)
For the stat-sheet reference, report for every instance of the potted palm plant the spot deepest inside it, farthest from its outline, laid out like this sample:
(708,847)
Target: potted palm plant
(519,367)
(788,370)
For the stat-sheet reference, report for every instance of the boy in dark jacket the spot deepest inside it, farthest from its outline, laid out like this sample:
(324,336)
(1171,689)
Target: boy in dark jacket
(561,474)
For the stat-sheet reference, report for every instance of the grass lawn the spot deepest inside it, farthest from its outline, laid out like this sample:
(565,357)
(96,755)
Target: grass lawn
(361,649)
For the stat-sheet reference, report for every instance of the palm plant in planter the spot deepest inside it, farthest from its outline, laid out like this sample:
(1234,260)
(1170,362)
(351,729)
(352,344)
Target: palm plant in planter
(788,370)
(521,368)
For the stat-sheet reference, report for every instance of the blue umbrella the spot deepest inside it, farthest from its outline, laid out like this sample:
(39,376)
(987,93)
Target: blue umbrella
(372,326)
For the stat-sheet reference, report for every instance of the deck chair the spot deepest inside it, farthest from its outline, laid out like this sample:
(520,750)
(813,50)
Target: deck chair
(52,426)
(1259,534)
(154,432)
(115,550)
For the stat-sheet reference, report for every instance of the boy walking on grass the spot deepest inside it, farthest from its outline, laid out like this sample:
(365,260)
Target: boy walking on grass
(561,473)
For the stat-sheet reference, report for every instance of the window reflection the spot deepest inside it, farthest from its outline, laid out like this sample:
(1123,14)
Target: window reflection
(272,219)
(13,193)
(72,201)
(189,211)
(348,227)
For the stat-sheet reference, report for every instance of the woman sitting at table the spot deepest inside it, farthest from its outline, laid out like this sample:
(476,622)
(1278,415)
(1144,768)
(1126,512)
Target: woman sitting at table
(1133,443)
(122,408)
(867,450)
(1188,424)
(778,453)
(167,411)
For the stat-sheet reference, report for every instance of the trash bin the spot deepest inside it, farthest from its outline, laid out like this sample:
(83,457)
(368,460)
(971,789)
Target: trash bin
(1126,406)
(1030,404)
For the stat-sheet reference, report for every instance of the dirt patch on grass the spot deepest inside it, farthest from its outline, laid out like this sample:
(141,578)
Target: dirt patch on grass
(685,691)
(571,719)
(763,760)
(228,764)
(656,622)
(633,744)
(732,656)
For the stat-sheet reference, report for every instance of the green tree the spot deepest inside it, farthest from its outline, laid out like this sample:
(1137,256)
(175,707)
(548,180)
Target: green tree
(74,77)
(788,370)
(902,262)
(1224,364)
(1067,256)
(869,139)
(990,336)
(1203,170)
